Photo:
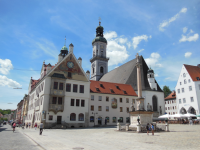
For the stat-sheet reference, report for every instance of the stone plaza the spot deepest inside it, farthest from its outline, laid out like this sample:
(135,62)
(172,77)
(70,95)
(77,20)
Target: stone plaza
(180,137)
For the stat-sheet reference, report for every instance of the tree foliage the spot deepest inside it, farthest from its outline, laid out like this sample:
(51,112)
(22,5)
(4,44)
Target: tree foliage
(166,90)
(4,112)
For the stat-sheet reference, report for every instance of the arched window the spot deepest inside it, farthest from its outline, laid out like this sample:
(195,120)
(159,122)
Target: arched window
(101,53)
(183,111)
(81,117)
(91,118)
(72,117)
(184,75)
(93,70)
(185,81)
(154,102)
(192,110)
(101,69)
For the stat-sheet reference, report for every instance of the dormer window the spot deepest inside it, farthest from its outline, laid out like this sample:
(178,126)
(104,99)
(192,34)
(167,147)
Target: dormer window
(117,87)
(111,90)
(97,89)
(101,85)
(198,78)
(125,92)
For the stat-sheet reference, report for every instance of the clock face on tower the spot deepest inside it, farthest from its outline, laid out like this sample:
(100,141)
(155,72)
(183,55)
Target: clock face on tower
(70,64)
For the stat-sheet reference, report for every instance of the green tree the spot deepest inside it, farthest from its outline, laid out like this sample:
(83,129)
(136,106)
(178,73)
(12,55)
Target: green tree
(166,90)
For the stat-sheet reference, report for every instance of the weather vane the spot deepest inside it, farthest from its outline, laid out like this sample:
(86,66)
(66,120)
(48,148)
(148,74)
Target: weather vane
(65,41)
(99,20)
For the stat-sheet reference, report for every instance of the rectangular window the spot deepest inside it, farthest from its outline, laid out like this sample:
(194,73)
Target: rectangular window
(55,85)
(72,102)
(188,80)
(60,100)
(92,107)
(107,99)
(180,83)
(192,99)
(99,108)
(50,117)
(190,88)
(133,101)
(100,98)
(121,109)
(107,108)
(120,100)
(127,100)
(54,100)
(127,109)
(77,102)
(184,101)
(75,88)
(182,90)
(121,119)
(81,88)
(61,86)
(114,119)
(68,87)
(92,97)
(178,90)
(69,75)
(82,103)
(179,101)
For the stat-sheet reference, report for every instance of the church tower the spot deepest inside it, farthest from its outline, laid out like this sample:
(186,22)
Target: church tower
(99,61)
(151,79)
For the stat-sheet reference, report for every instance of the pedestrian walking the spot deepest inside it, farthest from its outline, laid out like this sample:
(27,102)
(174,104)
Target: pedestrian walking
(148,128)
(41,128)
(35,126)
(152,128)
(29,125)
(26,125)
(14,125)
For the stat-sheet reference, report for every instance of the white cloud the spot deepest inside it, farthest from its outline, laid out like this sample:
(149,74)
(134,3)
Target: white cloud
(129,44)
(191,31)
(156,75)
(153,60)
(167,22)
(116,48)
(188,54)
(189,38)
(138,39)
(4,81)
(185,29)
(5,66)
(140,50)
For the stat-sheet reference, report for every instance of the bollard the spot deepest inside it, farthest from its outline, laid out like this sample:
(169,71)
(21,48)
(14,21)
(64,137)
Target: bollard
(118,126)
(127,127)
(138,128)
(167,127)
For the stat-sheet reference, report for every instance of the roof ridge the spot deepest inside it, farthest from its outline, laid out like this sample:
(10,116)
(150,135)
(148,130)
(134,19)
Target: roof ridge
(110,82)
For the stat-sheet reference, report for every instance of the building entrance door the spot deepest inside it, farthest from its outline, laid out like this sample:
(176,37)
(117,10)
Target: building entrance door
(59,118)
(99,120)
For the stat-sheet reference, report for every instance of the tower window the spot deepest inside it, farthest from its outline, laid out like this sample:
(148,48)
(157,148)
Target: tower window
(93,70)
(101,53)
(101,69)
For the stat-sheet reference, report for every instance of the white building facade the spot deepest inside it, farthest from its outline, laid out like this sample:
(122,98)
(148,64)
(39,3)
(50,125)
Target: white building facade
(188,90)
(170,104)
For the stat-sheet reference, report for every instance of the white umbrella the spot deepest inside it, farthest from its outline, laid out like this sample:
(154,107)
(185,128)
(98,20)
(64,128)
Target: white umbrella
(177,115)
(189,115)
(165,116)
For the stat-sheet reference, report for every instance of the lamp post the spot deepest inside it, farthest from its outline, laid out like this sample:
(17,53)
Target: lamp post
(94,117)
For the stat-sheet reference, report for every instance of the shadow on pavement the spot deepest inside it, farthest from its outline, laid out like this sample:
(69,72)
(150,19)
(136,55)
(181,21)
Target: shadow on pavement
(2,129)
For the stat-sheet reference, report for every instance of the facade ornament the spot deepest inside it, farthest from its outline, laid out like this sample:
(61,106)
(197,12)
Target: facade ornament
(149,107)
(132,108)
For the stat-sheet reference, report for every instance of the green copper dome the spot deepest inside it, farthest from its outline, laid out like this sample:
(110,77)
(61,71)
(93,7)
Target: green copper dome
(99,27)
(99,39)
(64,48)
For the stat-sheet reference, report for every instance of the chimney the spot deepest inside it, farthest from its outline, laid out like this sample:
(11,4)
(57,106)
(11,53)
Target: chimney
(80,61)
(88,74)
(48,68)
(198,65)
(71,48)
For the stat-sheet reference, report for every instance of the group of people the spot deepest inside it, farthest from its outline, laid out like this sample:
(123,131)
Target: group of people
(150,127)
(29,124)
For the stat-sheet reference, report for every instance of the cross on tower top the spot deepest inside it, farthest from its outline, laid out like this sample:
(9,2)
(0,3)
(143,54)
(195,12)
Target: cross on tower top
(99,20)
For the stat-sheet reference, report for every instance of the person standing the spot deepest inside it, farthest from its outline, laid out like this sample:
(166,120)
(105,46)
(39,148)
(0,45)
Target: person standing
(41,128)
(29,125)
(14,125)
(35,126)
(148,128)
(152,128)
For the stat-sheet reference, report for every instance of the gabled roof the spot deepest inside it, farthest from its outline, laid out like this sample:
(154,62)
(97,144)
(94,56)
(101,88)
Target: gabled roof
(108,87)
(171,96)
(127,74)
(194,71)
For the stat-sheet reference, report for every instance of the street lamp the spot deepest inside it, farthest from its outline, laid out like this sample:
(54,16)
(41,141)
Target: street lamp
(94,117)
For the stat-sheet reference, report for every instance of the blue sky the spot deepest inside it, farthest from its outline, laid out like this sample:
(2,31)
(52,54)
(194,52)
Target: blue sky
(165,33)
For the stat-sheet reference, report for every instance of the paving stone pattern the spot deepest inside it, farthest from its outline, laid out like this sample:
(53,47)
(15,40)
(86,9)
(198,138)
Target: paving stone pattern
(182,137)
(16,140)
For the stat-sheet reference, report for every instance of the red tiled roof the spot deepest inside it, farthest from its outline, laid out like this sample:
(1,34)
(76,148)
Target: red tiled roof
(171,96)
(194,72)
(108,86)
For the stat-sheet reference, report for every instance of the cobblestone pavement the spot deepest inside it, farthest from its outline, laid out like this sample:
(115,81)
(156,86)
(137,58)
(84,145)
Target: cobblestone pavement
(182,137)
(16,140)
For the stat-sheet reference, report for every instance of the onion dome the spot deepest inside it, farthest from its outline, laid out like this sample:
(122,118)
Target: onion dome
(99,35)
(64,48)
(150,70)
(79,58)
(87,71)
(71,45)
